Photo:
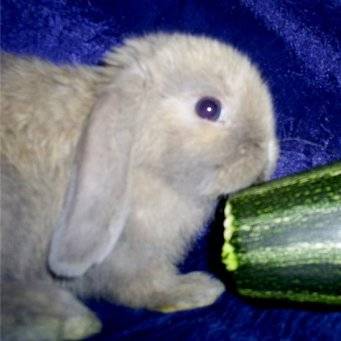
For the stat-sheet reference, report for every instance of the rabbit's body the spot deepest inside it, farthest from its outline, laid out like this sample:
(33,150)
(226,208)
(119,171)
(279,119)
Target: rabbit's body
(39,132)
(38,146)
(108,174)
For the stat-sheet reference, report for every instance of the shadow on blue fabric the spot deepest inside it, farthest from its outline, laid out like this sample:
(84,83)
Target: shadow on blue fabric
(296,44)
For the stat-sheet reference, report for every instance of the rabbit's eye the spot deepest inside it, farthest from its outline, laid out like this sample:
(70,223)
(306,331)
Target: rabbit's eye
(208,108)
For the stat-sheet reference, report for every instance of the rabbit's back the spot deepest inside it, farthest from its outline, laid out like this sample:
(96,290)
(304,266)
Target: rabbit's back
(43,110)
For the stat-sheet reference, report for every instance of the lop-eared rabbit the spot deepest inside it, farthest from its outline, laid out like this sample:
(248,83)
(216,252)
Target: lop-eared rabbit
(109,172)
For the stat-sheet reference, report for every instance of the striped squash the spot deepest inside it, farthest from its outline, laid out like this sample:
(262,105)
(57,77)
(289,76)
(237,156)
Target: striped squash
(283,238)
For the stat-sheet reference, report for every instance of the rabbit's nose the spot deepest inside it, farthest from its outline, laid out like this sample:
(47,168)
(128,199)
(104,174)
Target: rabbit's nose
(267,171)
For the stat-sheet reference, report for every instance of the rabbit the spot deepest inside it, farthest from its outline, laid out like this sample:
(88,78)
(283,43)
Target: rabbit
(110,172)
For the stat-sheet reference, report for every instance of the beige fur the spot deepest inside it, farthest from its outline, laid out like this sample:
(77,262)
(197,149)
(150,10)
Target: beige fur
(108,174)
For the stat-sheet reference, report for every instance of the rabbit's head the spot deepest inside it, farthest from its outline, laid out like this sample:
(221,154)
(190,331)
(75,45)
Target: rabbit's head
(207,117)
(190,110)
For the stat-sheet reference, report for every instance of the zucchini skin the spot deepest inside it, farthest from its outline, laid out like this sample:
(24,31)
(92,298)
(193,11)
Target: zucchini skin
(283,238)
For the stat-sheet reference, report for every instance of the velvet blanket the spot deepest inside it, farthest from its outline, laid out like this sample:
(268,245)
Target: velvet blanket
(296,45)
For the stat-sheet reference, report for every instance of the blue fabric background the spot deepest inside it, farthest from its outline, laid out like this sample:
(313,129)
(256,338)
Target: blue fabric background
(296,44)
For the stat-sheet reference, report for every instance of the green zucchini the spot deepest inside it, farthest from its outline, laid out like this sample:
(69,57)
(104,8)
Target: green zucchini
(283,238)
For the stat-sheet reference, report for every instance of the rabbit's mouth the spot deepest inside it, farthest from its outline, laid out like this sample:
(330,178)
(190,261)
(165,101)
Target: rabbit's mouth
(244,172)
(263,177)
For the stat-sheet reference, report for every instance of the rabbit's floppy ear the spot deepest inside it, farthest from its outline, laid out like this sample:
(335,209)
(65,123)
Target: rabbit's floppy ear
(96,202)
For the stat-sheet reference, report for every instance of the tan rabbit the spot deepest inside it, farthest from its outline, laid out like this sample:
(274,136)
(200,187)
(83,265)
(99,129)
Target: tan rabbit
(109,173)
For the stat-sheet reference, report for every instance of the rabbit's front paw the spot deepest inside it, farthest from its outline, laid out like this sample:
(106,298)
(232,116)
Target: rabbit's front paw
(194,290)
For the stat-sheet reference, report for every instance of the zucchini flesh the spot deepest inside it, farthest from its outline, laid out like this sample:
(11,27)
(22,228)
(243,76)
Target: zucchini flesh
(283,238)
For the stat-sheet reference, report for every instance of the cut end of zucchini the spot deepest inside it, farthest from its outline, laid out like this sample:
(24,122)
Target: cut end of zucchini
(228,253)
